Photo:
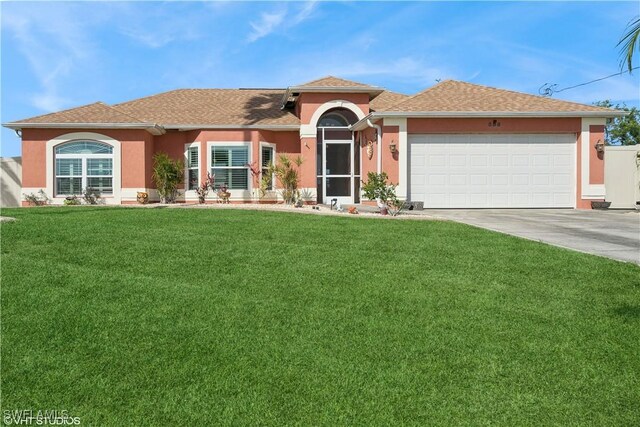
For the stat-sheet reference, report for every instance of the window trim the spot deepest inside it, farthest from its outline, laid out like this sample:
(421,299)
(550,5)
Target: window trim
(191,194)
(275,153)
(235,194)
(50,170)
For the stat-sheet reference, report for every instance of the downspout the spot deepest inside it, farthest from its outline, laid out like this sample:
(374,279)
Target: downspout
(379,141)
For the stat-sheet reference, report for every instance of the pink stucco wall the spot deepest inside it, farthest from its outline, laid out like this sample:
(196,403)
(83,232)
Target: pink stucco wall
(134,159)
(309,102)
(507,125)
(389,162)
(596,161)
(173,142)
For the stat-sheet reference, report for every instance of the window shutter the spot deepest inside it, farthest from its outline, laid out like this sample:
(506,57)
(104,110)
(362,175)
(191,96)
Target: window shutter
(193,157)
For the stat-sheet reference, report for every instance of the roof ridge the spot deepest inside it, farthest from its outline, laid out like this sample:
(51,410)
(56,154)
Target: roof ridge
(120,111)
(527,94)
(409,97)
(149,96)
(342,79)
(394,93)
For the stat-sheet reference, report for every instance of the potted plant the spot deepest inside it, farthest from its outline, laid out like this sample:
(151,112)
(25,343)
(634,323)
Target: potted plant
(223,193)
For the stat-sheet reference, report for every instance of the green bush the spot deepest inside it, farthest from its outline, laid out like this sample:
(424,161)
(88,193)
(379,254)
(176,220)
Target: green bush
(287,174)
(378,188)
(168,174)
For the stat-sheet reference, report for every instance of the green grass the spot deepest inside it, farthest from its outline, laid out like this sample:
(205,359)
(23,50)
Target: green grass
(202,317)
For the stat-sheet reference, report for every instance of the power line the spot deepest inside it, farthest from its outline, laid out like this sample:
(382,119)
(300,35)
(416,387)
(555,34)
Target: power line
(548,89)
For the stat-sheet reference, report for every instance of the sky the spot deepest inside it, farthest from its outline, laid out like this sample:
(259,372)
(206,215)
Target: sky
(59,55)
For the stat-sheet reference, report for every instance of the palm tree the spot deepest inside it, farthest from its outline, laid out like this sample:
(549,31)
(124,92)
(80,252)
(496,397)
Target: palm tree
(630,42)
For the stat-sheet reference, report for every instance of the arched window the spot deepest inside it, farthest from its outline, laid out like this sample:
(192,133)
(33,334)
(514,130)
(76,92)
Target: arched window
(83,165)
(332,120)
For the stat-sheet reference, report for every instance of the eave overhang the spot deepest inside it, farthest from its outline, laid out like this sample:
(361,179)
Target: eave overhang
(152,128)
(362,124)
(186,127)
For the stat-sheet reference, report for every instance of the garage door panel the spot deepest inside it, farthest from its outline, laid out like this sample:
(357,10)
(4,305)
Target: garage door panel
(457,179)
(465,170)
(520,179)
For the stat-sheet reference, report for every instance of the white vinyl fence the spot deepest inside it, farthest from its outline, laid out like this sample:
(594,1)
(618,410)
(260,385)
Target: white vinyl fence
(10,181)
(622,175)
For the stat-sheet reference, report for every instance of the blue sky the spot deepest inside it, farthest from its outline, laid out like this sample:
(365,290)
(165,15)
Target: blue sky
(60,55)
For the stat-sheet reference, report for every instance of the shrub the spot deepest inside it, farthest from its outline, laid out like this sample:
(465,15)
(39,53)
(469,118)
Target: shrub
(378,188)
(91,196)
(203,189)
(287,174)
(167,175)
(71,200)
(38,199)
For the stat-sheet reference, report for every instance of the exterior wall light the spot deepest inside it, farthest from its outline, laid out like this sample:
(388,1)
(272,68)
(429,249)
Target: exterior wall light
(599,146)
(393,147)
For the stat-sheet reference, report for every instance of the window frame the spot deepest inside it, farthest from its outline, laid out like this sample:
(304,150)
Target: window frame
(84,175)
(328,114)
(192,192)
(271,146)
(235,193)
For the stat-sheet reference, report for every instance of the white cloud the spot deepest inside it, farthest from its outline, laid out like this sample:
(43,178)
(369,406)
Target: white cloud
(49,101)
(164,25)
(53,43)
(304,13)
(271,21)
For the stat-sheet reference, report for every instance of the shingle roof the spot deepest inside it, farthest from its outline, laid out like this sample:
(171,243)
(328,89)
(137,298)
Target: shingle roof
(456,96)
(212,107)
(386,100)
(331,81)
(98,112)
(262,107)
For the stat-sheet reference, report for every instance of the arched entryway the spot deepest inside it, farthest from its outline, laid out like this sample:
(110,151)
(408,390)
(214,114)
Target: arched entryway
(338,159)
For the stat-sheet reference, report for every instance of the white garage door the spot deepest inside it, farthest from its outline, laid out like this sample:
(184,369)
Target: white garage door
(493,171)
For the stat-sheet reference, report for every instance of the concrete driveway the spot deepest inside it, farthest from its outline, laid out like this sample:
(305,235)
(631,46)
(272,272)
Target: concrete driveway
(609,233)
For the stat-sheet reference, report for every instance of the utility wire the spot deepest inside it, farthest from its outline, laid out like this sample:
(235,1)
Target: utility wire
(548,89)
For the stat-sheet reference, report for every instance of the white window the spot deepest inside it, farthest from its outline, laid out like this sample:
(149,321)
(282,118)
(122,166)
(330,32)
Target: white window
(267,154)
(193,167)
(230,166)
(83,165)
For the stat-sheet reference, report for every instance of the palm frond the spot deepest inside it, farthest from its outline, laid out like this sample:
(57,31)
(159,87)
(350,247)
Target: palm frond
(629,43)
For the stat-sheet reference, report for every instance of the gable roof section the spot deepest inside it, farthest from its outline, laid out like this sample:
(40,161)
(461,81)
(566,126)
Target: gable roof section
(198,108)
(331,81)
(453,96)
(328,84)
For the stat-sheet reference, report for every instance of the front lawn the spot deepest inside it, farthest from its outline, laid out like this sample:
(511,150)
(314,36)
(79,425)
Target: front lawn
(204,317)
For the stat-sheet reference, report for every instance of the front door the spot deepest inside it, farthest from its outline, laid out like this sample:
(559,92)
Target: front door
(338,165)
(338,172)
